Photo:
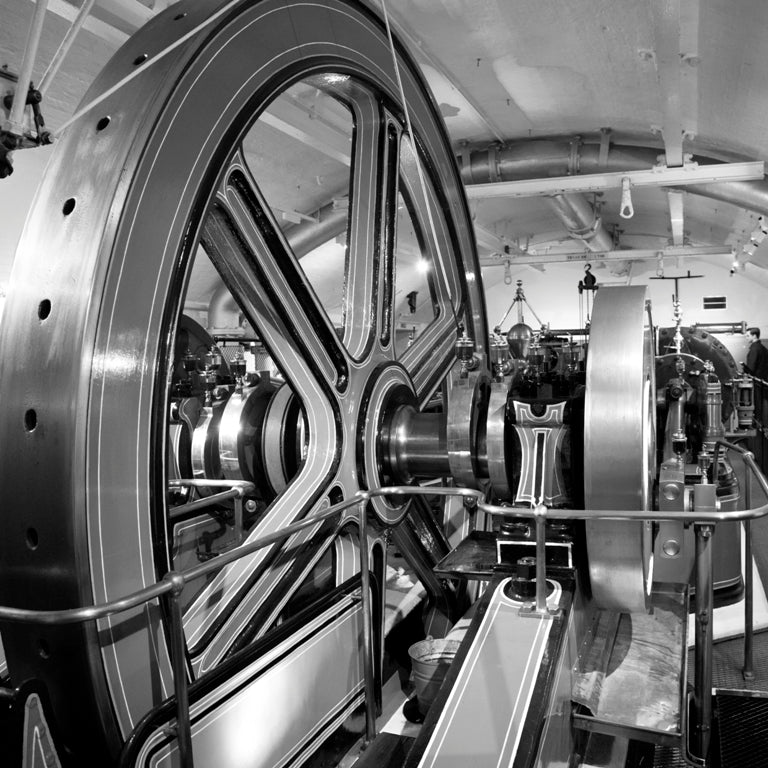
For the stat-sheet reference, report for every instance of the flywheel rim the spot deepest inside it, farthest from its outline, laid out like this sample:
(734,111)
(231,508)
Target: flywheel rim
(619,446)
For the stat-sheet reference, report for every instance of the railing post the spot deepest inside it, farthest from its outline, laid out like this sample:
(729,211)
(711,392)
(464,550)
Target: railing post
(748,672)
(365,586)
(540,517)
(15,122)
(178,663)
(238,520)
(702,695)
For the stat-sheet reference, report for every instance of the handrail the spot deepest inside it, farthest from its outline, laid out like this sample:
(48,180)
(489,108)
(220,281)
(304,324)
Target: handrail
(172,585)
(703,523)
(173,582)
(686,516)
(166,584)
(236,489)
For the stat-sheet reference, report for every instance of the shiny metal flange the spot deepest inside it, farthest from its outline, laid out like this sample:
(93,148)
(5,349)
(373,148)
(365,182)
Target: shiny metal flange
(495,441)
(283,442)
(467,404)
(86,341)
(413,445)
(248,439)
(206,459)
(239,431)
(619,445)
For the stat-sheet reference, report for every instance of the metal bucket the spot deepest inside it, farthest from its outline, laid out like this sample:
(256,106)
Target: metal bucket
(430,661)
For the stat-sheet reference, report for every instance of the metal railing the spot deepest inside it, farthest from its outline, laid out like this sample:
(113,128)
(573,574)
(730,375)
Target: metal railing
(759,443)
(172,584)
(703,522)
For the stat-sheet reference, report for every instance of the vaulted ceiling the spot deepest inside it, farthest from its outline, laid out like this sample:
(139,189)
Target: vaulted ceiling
(565,118)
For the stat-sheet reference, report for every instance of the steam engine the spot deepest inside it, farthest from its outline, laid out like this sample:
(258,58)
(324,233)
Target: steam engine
(206,529)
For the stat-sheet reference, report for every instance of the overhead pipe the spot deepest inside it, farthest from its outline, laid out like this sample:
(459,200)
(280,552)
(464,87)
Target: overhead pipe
(303,238)
(752,195)
(581,221)
(221,308)
(542,158)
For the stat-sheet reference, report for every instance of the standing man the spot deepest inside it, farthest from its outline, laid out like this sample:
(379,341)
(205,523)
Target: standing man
(757,356)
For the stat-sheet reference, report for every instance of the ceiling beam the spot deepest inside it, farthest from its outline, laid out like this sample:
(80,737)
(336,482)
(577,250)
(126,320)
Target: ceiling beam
(666,28)
(487,241)
(95,26)
(593,182)
(676,215)
(289,118)
(624,255)
(689,67)
(127,15)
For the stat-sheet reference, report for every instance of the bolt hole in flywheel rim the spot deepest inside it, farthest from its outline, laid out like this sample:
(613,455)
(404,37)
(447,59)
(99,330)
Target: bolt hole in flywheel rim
(176,164)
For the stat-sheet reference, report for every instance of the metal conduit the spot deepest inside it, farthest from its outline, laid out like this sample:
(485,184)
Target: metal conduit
(542,158)
(752,195)
(581,221)
(303,239)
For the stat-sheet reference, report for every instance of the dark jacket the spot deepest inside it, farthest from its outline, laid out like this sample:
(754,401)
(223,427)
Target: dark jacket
(757,360)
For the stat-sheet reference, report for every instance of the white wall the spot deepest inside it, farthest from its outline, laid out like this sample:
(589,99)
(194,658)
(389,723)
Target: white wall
(553,294)
(16,194)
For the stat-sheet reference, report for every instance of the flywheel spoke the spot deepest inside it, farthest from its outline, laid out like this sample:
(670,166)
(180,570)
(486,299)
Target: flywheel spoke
(364,254)
(426,277)
(257,265)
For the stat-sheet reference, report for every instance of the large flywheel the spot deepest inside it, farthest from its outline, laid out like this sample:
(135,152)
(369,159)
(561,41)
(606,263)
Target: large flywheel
(619,446)
(182,173)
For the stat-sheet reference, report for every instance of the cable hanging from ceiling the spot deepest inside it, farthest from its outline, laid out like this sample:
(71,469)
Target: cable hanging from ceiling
(412,137)
(587,287)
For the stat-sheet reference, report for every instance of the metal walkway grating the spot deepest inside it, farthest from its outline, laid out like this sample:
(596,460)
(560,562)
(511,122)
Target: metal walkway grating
(728,660)
(742,718)
(668,757)
(743,725)
(740,739)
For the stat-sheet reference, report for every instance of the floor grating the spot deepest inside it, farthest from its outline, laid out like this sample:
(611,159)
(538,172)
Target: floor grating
(741,718)
(743,724)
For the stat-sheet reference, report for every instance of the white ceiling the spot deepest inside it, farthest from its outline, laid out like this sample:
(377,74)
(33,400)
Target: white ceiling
(670,75)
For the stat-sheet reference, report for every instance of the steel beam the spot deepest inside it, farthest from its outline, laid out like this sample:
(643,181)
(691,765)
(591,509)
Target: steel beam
(101,29)
(653,177)
(292,120)
(676,215)
(627,255)
(129,15)
(15,122)
(487,241)
(666,20)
